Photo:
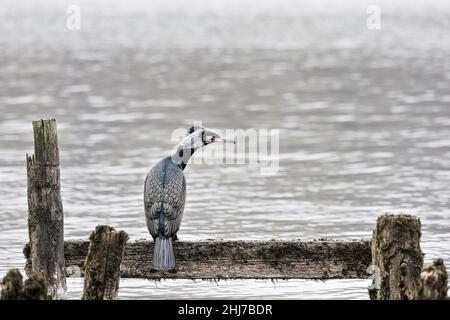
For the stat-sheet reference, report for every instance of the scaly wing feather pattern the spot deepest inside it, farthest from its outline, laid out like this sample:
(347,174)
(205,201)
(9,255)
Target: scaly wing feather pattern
(153,197)
(174,199)
(165,188)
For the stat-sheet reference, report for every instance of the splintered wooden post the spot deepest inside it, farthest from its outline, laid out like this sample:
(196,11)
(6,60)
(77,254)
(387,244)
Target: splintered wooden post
(45,210)
(102,266)
(397,256)
(433,281)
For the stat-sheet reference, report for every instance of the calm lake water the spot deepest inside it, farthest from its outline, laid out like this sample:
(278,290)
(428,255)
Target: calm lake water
(364,119)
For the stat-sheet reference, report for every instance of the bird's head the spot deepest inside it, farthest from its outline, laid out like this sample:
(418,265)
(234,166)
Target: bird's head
(200,136)
(196,137)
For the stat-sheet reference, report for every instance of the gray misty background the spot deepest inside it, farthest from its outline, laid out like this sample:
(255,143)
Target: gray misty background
(363,115)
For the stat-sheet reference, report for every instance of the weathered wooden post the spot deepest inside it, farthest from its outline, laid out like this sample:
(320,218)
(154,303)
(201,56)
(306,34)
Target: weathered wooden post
(397,255)
(433,281)
(12,285)
(102,266)
(35,287)
(45,210)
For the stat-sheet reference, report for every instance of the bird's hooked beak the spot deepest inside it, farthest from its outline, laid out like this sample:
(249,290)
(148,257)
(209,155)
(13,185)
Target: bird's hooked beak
(217,138)
(210,136)
(220,139)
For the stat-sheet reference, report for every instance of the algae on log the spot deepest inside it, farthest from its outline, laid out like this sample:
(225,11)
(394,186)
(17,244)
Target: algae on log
(45,210)
(396,252)
(35,287)
(433,281)
(102,266)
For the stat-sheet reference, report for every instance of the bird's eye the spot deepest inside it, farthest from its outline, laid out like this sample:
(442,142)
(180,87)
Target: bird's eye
(213,138)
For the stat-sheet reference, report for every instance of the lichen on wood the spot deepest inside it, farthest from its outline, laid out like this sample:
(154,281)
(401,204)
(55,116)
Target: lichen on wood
(102,265)
(45,219)
(433,281)
(396,252)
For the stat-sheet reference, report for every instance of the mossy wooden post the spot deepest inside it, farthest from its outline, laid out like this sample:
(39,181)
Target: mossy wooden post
(12,285)
(102,266)
(34,288)
(433,281)
(45,210)
(397,256)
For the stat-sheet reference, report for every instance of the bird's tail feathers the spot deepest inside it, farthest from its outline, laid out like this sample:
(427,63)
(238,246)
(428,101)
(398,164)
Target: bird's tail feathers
(163,257)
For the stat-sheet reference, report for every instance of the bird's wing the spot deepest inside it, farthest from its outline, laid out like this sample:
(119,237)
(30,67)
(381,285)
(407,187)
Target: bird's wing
(174,199)
(153,197)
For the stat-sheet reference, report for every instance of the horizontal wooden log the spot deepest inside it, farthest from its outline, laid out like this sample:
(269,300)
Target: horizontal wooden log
(241,259)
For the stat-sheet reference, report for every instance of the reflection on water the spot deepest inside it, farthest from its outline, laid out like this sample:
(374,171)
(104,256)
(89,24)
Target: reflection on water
(364,122)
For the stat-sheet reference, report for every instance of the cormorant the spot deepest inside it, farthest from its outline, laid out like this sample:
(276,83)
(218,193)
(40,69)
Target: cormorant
(165,194)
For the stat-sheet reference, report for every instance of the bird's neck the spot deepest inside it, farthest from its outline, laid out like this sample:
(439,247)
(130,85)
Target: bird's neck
(182,155)
(184,151)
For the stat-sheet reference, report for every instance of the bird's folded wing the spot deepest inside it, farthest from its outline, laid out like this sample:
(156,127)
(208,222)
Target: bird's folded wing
(153,197)
(174,199)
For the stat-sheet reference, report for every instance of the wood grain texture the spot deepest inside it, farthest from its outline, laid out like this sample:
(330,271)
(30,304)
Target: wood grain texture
(102,266)
(396,252)
(45,209)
